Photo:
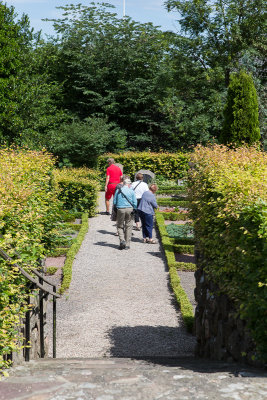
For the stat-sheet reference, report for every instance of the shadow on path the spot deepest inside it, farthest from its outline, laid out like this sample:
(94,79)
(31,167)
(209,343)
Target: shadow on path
(145,341)
(106,244)
(163,345)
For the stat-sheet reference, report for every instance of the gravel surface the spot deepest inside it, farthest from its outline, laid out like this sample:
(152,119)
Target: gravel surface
(119,302)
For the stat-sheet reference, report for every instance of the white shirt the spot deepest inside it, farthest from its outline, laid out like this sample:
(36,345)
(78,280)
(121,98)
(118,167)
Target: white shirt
(140,189)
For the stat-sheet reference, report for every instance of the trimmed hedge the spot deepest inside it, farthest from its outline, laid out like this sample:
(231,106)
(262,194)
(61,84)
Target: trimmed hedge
(183,248)
(172,202)
(228,195)
(174,216)
(29,213)
(71,253)
(181,297)
(79,189)
(169,165)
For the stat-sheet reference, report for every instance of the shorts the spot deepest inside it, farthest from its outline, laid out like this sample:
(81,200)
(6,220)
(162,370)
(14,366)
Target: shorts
(110,191)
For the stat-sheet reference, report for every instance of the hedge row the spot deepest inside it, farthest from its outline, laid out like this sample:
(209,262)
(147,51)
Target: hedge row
(172,202)
(169,165)
(71,253)
(79,188)
(181,297)
(228,196)
(29,212)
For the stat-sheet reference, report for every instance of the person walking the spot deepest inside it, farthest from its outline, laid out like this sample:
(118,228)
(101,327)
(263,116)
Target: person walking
(146,211)
(139,187)
(125,201)
(113,176)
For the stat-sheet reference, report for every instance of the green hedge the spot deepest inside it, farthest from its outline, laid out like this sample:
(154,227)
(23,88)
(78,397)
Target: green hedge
(172,202)
(174,216)
(79,189)
(169,165)
(29,213)
(228,195)
(181,297)
(71,253)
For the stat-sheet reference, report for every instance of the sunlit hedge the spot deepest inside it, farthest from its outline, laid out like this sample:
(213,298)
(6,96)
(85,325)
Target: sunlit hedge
(169,165)
(228,194)
(29,211)
(79,188)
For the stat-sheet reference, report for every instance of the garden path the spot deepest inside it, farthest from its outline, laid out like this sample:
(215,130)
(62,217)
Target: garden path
(119,303)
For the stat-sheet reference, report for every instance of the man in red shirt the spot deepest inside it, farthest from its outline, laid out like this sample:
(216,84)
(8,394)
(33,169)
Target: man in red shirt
(113,177)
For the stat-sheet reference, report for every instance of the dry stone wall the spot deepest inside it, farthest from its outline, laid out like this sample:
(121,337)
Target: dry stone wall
(221,335)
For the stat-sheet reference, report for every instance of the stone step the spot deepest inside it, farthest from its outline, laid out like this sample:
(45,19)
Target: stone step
(132,379)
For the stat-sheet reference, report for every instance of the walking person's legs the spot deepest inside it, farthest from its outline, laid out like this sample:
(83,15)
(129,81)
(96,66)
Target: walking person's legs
(128,226)
(149,224)
(120,226)
(145,232)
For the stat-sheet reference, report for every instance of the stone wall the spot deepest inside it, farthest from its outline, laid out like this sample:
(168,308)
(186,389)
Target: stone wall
(220,334)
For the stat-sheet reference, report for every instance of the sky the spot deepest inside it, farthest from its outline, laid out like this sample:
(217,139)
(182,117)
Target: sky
(139,10)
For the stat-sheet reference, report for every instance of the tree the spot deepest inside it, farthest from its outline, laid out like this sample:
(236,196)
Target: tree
(241,114)
(114,68)
(81,142)
(221,30)
(27,100)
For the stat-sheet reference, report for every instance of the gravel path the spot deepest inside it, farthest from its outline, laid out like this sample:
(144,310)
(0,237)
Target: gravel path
(119,302)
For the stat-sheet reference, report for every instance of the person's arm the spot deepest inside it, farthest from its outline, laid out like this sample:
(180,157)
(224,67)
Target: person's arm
(107,181)
(154,202)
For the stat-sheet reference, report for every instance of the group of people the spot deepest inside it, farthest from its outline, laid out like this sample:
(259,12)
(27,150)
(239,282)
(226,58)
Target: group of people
(132,201)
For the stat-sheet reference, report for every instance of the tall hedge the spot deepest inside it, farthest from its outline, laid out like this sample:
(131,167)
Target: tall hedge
(78,188)
(241,113)
(169,165)
(228,197)
(29,211)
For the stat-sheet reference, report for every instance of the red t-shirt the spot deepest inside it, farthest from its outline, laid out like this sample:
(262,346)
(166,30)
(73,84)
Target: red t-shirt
(114,174)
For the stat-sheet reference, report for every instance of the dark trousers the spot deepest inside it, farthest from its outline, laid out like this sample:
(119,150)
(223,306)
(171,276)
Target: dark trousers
(137,216)
(147,224)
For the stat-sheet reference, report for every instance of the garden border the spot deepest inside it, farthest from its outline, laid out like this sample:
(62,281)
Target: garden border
(181,297)
(71,253)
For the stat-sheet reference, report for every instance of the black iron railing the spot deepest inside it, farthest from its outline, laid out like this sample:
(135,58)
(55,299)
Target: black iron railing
(44,292)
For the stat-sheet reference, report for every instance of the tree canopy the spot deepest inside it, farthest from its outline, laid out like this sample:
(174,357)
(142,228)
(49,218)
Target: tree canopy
(153,89)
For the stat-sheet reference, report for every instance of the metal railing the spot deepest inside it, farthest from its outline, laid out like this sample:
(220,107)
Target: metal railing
(44,292)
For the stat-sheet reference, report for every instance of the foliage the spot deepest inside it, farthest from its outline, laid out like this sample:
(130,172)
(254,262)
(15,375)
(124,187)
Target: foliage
(67,269)
(221,30)
(170,165)
(174,216)
(181,297)
(241,114)
(29,211)
(114,68)
(51,270)
(80,143)
(183,248)
(228,200)
(79,188)
(172,202)
(180,231)
(27,100)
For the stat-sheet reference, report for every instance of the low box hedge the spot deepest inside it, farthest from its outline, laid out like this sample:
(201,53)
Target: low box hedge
(181,297)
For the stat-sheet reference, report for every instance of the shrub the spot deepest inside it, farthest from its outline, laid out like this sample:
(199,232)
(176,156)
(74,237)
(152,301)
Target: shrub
(29,211)
(169,165)
(241,114)
(81,142)
(228,194)
(79,188)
